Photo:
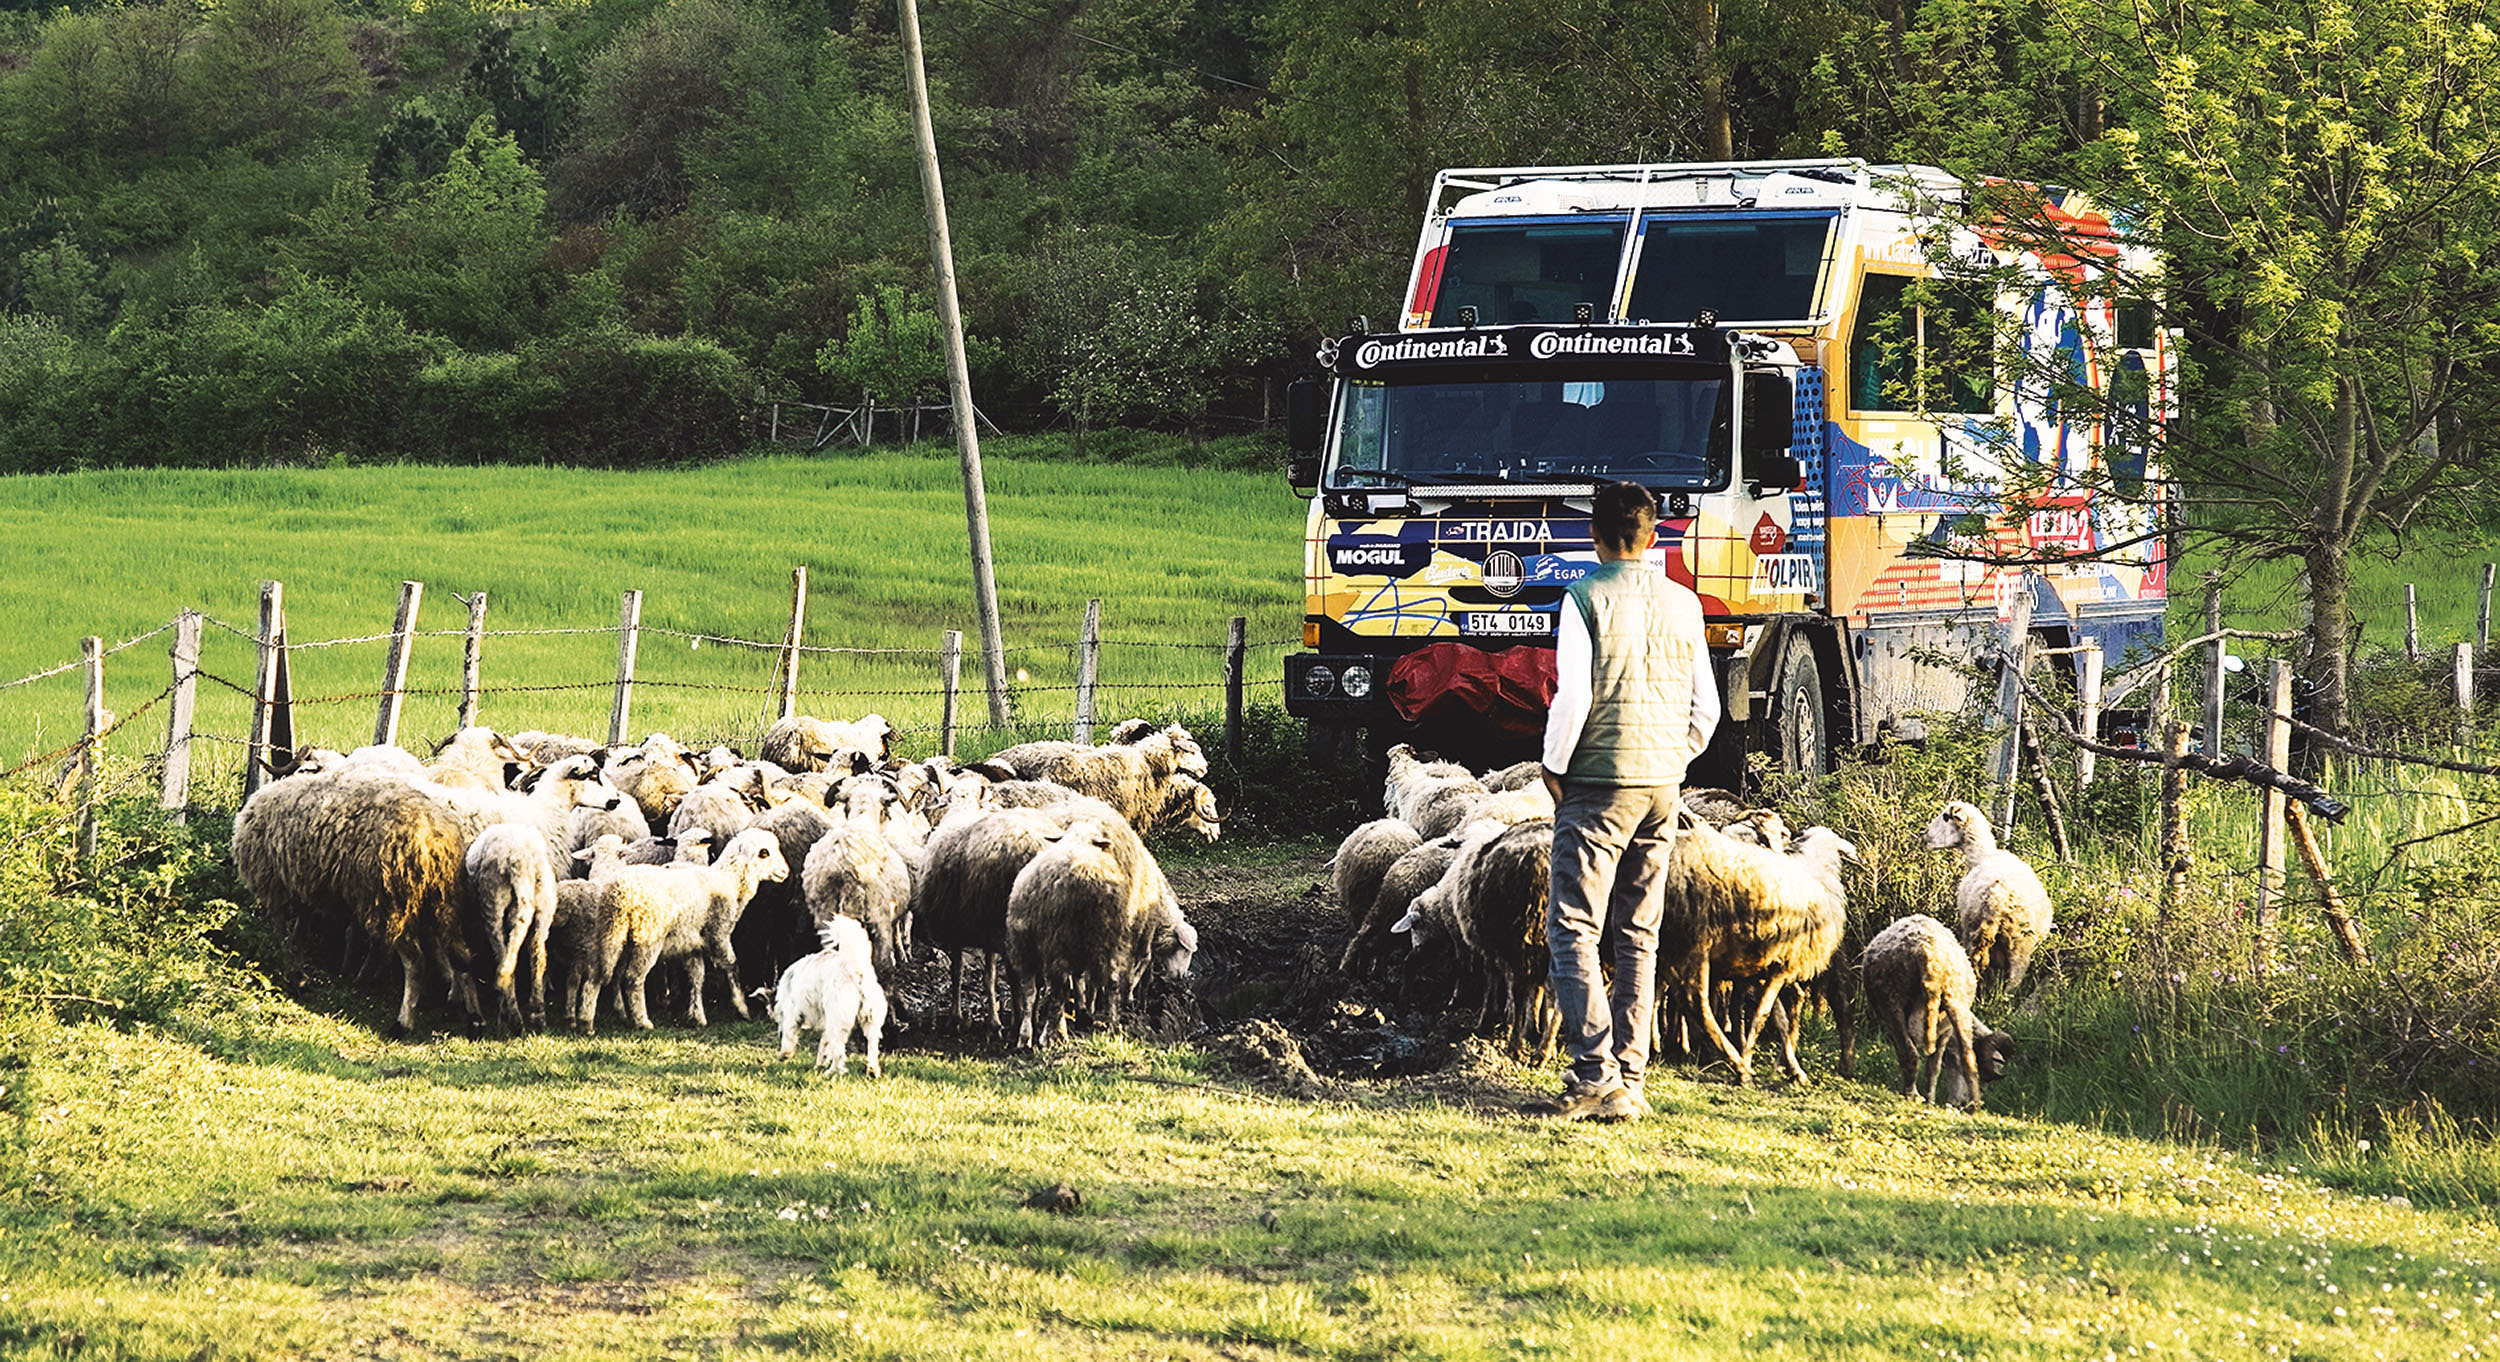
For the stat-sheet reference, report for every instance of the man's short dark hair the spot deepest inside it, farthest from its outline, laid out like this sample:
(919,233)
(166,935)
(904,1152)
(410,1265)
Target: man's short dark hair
(1623,515)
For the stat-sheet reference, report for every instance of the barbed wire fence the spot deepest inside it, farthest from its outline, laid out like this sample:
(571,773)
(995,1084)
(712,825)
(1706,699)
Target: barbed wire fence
(228,705)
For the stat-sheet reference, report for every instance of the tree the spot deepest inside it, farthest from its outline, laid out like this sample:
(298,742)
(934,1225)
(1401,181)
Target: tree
(659,95)
(277,70)
(893,352)
(2322,179)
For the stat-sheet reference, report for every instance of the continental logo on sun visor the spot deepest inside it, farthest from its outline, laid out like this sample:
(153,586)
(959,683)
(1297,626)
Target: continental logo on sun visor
(1378,557)
(1523,348)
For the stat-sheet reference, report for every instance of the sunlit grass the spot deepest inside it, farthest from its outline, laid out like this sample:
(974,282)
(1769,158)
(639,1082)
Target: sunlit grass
(292,1184)
(1173,552)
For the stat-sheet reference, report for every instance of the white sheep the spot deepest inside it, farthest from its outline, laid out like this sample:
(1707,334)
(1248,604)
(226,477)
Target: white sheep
(1136,778)
(805,743)
(651,913)
(835,991)
(476,759)
(1362,860)
(625,822)
(512,890)
(2001,906)
(856,870)
(1743,912)
(1919,985)
(656,776)
(1435,797)
(725,804)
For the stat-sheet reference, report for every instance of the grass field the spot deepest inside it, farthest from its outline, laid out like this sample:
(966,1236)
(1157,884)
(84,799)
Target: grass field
(282,1184)
(1173,552)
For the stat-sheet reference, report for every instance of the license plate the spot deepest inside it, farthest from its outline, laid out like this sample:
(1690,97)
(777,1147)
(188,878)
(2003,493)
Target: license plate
(1504,622)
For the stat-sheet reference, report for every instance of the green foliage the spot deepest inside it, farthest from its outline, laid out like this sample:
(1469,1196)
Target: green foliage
(273,73)
(665,92)
(893,350)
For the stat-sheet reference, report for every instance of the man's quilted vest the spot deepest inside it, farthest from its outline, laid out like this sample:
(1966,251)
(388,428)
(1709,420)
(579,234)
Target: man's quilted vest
(1644,642)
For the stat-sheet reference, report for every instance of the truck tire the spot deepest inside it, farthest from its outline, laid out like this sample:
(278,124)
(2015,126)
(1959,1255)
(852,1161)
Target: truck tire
(1801,739)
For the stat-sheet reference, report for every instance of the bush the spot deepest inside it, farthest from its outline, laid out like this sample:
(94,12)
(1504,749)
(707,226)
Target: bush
(630,399)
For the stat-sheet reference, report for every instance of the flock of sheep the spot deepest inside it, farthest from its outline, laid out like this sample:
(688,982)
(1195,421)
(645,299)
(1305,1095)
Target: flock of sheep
(1752,929)
(811,868)
(825,861)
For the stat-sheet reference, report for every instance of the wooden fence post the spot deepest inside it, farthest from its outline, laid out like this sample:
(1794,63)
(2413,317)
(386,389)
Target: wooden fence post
(2009,710)
(2216,664)
(90,751)
(176,799)
(954,685)
(1236,648)
(2046,786)
(1088,660)
(629,634)
(2088,709)
(2347,935)
(2175,854)
(471,646)
(395,666)
(2413,626)
(790,649)
(2464,666)
(2278,750)
(258,762)
(2482,617)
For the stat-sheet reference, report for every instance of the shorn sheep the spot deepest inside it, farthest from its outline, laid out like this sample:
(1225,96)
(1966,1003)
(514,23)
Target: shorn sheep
(2000,904)
(656,912)
(1734,911)
(836,992)
(1919,985)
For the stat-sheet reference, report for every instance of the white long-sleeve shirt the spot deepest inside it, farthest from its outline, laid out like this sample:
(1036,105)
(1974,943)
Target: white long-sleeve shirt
(1574,665)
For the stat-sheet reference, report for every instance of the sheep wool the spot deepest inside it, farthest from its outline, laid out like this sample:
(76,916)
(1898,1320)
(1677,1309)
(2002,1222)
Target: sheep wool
(1069,914)
(1745,912)
(2000,905)
(836,992)
(1920,985)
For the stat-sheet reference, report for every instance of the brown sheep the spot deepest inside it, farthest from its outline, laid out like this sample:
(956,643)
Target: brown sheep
(1919,985)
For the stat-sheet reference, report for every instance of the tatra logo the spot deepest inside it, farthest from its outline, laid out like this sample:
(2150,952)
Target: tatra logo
(1548,344)
(1373,353)
(1503,573)
(1501,531)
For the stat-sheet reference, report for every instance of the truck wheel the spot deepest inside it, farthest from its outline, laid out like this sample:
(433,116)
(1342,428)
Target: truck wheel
(1800,739)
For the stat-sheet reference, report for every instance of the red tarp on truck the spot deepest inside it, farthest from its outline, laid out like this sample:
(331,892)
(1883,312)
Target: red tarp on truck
(1456,682)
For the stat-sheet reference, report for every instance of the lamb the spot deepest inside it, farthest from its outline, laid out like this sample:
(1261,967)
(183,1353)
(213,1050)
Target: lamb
(477,759)
(651,913)
(1742,911)
(855,870)
(1073,924)
(1135,778)
(804,743)
(1362,861)
(572,934)
(512,891)
(2000,904)
(1919,984)
(836,991)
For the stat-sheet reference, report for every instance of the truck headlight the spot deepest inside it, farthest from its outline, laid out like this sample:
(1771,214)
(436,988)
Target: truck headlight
(1318,681)
(1357,682)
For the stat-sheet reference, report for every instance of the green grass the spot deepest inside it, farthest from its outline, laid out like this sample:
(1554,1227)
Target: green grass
(1173,552)
(281,1183)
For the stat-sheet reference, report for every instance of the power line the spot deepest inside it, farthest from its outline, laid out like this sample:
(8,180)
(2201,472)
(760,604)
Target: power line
(1107,44)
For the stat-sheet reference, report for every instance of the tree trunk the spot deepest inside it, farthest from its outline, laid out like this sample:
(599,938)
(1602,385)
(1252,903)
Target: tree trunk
(1717,133)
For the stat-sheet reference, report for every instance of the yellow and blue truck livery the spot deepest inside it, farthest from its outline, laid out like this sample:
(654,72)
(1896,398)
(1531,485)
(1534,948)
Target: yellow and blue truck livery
(1749,341)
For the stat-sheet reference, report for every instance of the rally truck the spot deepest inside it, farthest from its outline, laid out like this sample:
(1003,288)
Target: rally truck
(1826,441)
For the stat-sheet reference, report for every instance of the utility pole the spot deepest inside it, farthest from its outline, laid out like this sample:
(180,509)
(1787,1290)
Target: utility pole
(958,372)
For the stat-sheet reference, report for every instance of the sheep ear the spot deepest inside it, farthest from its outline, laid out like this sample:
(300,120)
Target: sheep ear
(990,770)
(1189,937)
(1406,923)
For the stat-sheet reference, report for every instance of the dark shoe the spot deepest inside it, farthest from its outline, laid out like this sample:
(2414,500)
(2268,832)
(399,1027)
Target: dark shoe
(1579,1102)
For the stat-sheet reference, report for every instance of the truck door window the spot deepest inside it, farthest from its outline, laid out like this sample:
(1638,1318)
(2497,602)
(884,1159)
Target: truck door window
(1928,350)
(1528,271)
(1758,268)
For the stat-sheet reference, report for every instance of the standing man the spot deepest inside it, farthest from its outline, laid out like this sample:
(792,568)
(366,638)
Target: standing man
(1634,703)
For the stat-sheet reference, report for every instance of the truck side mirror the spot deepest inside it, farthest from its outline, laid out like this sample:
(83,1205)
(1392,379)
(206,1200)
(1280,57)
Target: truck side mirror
(1770,417)
(1302,474)
(1767,473)
(1305,410)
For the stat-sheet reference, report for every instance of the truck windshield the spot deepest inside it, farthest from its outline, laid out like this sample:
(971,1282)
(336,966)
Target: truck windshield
(1762,267)
(1529,271)
(1662,432)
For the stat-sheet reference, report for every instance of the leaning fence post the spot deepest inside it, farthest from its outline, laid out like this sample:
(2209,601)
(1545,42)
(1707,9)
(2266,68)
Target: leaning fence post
(629,633)
(90,751)
(257,764)
(1088,660)
(2270,821)
(2088,709)
(395,666)
(2016,662)
(2482,617)
(471,645)
(2046,787)
(2347,933)
(2465,695)
(178,715)
(954,684)
(2413,626)
(2215,665)
(1236,646)
(790,649)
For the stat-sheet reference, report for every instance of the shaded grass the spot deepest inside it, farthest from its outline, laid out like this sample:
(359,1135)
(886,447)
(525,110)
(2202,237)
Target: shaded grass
(309,1189)
(1173,551)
